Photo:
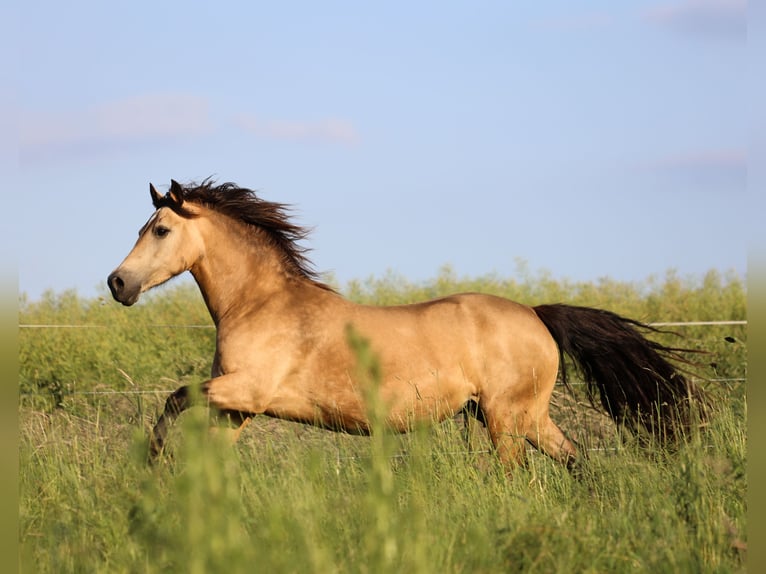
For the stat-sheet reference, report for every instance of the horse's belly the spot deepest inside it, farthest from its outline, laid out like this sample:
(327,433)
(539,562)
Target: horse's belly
(327,405)
(405,402)
(430,399)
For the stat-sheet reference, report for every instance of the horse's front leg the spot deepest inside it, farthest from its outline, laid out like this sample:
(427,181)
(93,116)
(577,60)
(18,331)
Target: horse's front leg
(229,394)
(175,404)
(234,423)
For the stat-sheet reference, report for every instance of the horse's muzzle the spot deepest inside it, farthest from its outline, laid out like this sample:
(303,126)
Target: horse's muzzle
(123,291)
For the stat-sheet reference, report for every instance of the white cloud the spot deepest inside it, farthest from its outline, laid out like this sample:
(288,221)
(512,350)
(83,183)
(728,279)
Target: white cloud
(723,169)
(329,130)
(154,118)
(718,19)
(133,120)
(732,158)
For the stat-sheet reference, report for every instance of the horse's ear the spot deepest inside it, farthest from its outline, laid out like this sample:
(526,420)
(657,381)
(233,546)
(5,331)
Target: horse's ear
(156,197)
(176,192)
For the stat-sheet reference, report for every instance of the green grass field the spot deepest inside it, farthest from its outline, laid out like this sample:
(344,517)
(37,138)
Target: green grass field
(290,498)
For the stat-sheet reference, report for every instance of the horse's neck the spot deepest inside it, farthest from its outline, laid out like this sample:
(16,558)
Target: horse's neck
(238,273)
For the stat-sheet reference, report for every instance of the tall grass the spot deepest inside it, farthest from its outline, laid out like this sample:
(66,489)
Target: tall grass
(290,498)
(279,504)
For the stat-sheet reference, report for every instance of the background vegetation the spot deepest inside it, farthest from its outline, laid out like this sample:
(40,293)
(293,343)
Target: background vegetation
(289,498)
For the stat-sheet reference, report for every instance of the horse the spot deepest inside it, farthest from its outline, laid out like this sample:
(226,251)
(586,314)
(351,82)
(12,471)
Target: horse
(282,346)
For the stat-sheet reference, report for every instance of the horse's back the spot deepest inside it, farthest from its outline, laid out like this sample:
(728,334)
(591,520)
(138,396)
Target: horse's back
(461,318)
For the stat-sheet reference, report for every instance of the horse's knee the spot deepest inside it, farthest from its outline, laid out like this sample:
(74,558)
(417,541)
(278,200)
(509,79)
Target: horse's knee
(234,392)
(180,400)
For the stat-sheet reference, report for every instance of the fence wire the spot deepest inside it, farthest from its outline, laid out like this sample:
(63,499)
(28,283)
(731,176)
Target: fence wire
(737,380)
(193,326)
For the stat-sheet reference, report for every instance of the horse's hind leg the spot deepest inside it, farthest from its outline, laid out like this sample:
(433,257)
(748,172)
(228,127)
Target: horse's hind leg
(511,433)
(507,431)
(549,439)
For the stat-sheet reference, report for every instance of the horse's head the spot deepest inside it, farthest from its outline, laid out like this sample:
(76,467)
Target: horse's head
(168,244)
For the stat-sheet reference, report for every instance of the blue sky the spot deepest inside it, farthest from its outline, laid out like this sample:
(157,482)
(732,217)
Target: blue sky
(591,140)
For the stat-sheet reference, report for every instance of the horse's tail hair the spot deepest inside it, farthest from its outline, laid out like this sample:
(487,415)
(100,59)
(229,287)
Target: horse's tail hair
(636,382)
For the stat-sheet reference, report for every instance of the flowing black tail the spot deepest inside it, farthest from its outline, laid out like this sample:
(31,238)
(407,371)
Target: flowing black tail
(637,384)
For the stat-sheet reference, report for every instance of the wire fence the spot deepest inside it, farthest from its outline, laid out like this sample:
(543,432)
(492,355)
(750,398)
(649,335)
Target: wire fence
(338,457)
(657,324)
(207,326)
(115,392)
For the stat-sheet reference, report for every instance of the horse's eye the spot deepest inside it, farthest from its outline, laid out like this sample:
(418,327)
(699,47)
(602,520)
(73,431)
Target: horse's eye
(161,231)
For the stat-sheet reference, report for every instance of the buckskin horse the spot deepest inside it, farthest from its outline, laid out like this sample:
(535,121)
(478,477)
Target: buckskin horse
(282,348)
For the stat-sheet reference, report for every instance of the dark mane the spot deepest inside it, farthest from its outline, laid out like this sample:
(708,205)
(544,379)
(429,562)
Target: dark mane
(244,205)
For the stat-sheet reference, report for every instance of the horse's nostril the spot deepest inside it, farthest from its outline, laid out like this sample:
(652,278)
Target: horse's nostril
(116,284)
(124,291)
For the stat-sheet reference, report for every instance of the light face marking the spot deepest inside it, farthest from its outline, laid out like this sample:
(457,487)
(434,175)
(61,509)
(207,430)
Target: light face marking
(148,223)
